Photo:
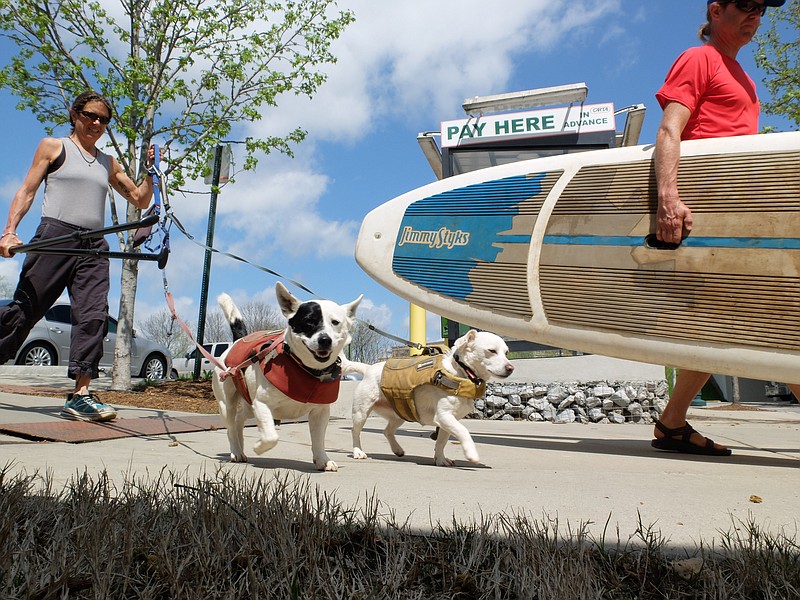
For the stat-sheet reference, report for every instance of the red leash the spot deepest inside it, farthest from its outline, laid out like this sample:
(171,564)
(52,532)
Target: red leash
(186,330)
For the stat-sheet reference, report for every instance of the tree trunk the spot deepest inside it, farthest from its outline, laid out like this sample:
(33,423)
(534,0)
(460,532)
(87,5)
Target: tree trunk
(121,378)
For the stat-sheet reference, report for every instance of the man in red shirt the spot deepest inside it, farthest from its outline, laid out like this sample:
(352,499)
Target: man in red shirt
(706,94)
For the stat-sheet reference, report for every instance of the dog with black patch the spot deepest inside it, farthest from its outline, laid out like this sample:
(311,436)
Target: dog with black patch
(283,375)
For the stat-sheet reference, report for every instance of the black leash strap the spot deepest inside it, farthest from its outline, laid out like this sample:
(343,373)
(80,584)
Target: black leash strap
(180,227)
(160,258)
(408,343)
(88,234)
(50,246)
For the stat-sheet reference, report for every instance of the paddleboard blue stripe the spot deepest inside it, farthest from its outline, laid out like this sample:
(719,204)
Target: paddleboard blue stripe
(489,197)
(444,237)
(689,242)
(450,278)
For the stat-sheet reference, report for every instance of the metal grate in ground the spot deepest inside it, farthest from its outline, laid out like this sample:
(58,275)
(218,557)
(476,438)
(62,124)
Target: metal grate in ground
(76,432)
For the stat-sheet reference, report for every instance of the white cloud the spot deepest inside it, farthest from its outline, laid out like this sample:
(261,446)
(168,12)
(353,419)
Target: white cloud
(380,315)
(9,186)
(416,55)
(280,210)
(397,59)
(9,271)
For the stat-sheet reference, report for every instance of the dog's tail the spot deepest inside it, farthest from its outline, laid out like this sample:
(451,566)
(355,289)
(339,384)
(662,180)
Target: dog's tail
(350,367)
(233,316)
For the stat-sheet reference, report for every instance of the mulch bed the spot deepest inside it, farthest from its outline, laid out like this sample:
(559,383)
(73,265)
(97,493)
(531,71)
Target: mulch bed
(184,396)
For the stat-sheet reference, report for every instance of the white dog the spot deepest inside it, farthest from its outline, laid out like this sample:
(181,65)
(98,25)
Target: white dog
(297,373)
(454,381)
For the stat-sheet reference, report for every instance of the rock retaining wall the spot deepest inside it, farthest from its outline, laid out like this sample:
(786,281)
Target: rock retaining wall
(584,402)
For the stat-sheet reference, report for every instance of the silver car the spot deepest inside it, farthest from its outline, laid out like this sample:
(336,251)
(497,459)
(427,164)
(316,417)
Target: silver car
(48,345)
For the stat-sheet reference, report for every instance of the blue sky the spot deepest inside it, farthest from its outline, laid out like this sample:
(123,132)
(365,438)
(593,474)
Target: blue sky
(403,67)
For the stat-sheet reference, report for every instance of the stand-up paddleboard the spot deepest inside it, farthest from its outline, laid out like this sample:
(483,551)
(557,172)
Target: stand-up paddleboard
(554,250)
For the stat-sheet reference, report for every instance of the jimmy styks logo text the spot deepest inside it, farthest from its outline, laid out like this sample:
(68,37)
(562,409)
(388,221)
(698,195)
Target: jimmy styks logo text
(441,238)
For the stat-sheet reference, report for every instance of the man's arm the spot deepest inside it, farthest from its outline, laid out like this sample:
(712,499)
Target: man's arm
(674,217)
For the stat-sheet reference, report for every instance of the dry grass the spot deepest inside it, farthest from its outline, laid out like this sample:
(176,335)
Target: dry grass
(221,536)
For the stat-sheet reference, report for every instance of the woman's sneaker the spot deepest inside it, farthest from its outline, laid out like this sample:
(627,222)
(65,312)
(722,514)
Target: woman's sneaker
(87,407)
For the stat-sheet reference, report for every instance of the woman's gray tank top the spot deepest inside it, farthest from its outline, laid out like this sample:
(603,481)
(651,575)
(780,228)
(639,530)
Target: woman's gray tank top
(76,192)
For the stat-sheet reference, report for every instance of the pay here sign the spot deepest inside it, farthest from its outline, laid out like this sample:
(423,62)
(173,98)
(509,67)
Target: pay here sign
(571,119)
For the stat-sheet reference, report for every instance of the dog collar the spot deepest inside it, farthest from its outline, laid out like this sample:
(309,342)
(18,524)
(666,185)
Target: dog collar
(332,372)
(470,373)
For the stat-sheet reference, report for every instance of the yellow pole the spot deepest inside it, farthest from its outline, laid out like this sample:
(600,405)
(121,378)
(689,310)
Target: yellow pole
(416,326)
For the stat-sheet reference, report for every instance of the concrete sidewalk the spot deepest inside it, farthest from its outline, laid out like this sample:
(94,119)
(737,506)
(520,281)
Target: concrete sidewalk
(577,473)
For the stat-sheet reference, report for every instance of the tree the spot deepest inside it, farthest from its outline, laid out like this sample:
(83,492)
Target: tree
(179,72)
(367,345)
(261,316)
(216,327)
(162,328)
(778,53)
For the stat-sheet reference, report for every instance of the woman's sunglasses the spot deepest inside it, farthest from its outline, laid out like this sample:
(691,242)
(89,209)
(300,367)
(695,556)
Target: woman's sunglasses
(94,117)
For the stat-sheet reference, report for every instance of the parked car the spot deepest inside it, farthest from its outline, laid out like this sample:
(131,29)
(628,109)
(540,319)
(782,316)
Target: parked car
(185,364)
(48,345)
(781,391)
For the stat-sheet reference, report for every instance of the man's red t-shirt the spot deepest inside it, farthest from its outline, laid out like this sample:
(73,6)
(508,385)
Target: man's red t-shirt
(715,88)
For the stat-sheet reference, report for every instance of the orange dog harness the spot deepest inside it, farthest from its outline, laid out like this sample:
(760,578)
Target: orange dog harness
(282,369)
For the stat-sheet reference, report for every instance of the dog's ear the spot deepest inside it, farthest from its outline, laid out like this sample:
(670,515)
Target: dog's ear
(286,301)
(464,342)
(351,308)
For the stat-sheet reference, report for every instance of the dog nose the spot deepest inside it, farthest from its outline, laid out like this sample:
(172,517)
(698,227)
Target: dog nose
(509,368)
(324,341)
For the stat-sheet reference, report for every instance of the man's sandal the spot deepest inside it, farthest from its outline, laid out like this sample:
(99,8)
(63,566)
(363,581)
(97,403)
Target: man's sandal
(677,440)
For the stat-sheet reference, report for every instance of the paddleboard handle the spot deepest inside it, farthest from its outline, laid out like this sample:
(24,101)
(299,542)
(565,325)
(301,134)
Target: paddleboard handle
(652,241)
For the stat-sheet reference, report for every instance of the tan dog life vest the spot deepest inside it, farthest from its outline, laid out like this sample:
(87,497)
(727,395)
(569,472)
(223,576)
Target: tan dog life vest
(401,376)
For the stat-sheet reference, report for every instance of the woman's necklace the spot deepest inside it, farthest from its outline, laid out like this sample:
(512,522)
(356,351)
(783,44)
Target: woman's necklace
(83,154)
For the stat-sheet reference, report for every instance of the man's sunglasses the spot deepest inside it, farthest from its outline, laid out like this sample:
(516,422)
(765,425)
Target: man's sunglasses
(749,6)
(92,117)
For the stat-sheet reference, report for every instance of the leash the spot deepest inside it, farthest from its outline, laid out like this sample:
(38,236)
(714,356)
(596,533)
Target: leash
(144,232)
(45,246)
(297,284)
(225,370)
(191,238)
(185,327)
(160,209)
(409,343)
(161,217)
(161,212)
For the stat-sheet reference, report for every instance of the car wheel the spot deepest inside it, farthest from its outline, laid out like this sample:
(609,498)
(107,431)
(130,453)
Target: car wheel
(37,354)
(154,367)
